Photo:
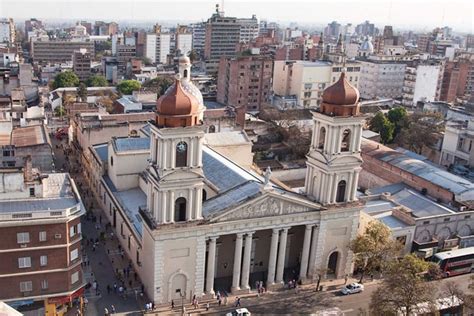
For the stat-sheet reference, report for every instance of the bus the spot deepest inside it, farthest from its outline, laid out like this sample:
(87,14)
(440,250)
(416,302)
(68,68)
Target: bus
(455,262)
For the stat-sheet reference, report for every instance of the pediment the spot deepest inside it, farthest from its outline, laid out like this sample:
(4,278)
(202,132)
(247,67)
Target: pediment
(268,205)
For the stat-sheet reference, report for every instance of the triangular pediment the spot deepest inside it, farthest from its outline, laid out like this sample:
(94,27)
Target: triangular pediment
(268,205)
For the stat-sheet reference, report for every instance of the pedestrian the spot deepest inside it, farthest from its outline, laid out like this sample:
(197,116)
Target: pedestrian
(219,301)
(225,300)
(237,304)
(106,312)
(207,306)
(108,289)
(371,276)
(115,287)
(136,294)
(172,304)
(113,309)
(345,279)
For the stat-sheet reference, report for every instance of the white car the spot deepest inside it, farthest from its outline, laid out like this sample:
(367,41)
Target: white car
(239,312)
(352,288)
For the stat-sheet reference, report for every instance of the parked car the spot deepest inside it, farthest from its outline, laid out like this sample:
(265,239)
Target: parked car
(352,288)
(239,312)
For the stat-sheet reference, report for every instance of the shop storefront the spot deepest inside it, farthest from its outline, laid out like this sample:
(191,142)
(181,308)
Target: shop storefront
(58,306)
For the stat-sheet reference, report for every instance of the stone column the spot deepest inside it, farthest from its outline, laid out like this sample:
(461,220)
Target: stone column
(281,255)
(305,254)
(312,253)
(173,154)
(171,207)
(237,262)
(246,264)
(355,181)
(272,258)
(211,264)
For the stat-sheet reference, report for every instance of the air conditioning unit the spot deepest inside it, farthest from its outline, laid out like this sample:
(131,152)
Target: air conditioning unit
(57,236)
(23,246)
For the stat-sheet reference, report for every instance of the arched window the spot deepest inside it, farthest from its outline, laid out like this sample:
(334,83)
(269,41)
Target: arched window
(341,191)
(185,73)
(180,209)
(204,195)
(322,138)
(212,129)
(181,154)
(111,160)
(346,140)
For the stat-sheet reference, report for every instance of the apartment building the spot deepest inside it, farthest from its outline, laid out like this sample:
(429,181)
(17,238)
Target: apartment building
(81,64)
(381,78)
(41,238)
(455,78)
(7,31)
(184,40)
(306,81)
(244,81)
(422,81)
(248,29)
(199,36)
(157,47)
(45,51)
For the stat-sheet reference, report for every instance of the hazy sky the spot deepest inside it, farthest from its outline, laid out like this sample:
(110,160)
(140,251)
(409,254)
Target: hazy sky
(425,14)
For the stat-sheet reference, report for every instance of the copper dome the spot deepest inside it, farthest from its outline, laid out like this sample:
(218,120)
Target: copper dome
(341,93)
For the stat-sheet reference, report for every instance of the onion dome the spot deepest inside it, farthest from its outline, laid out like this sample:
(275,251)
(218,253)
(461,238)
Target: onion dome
(340,99)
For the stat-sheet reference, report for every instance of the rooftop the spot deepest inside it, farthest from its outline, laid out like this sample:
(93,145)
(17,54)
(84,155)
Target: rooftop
(124,144)
(227,138)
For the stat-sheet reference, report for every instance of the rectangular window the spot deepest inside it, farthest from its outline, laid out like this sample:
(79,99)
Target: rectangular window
(26,286)
(74,277)
(23,238)
(42,236)
(43,260)
(79,228)
(24,262)
(72,231)
(74,254)
(32,191)
(44,284)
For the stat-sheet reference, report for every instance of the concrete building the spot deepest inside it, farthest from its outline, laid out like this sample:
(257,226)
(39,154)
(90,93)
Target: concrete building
(307,80)
(248,29)
(41,239)
(157,47)
(7,31)
(245,81)
(381,78)
(195,222)
(222,38)
(455,79)
(58,51)
(366,29)
(422,82)
(33,24)
(199,37)
(184,40)
(81,64)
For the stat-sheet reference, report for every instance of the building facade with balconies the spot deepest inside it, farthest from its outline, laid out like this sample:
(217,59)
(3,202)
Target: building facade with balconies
(422,82)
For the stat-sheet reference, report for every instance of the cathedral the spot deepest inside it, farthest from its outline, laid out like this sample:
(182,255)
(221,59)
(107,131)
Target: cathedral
(196,222)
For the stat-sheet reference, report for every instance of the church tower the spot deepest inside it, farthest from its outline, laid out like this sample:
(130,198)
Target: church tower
(334,159)
(175,176)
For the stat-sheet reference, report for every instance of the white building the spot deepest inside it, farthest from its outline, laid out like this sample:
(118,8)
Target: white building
(184,43)
(248,28)
(7,31)
(381,79)
(157,47)
(458,143)
(307,80)
(193,221)
(199,36)
(422,82)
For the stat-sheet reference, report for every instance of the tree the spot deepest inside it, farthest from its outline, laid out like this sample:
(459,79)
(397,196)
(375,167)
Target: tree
(398,116)
(380,124)
(158,85)
(374,248)
(146,61)
(403,288)
(422,130)
(453,296)
(97,81)
(107,103)
(65,79)
(128,86)
(82,92)
(59,111)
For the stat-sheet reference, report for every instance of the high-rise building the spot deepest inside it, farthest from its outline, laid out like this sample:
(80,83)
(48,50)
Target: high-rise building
(81,64)
(366,29)
(41,238)
(244,81)
(7,31)
(248,29)
(333,30)
(58,51)
(157,47)
(33,24)
(422,82)
(184,40)
(199,37)
(455,77)
(222,38)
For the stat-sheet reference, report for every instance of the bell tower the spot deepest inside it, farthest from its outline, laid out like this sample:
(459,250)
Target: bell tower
(334,160)
(175,176)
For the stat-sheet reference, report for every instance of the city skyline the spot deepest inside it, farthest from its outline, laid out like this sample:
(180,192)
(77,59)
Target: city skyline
(402,14)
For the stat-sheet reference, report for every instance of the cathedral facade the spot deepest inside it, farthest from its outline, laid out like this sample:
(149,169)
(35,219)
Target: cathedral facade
(205,224)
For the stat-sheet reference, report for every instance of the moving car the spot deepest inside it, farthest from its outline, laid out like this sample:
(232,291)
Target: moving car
(239,312)
(352,288)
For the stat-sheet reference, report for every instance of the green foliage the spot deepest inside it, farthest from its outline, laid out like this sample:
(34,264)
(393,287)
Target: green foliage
(65,79)
(158,84)
(146,61)
(103,46)
(59,111)
(97,81)
(374,248)
(128,86)
(403,288)
(381,124)
(398,116)
(421,130)
(82,92)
